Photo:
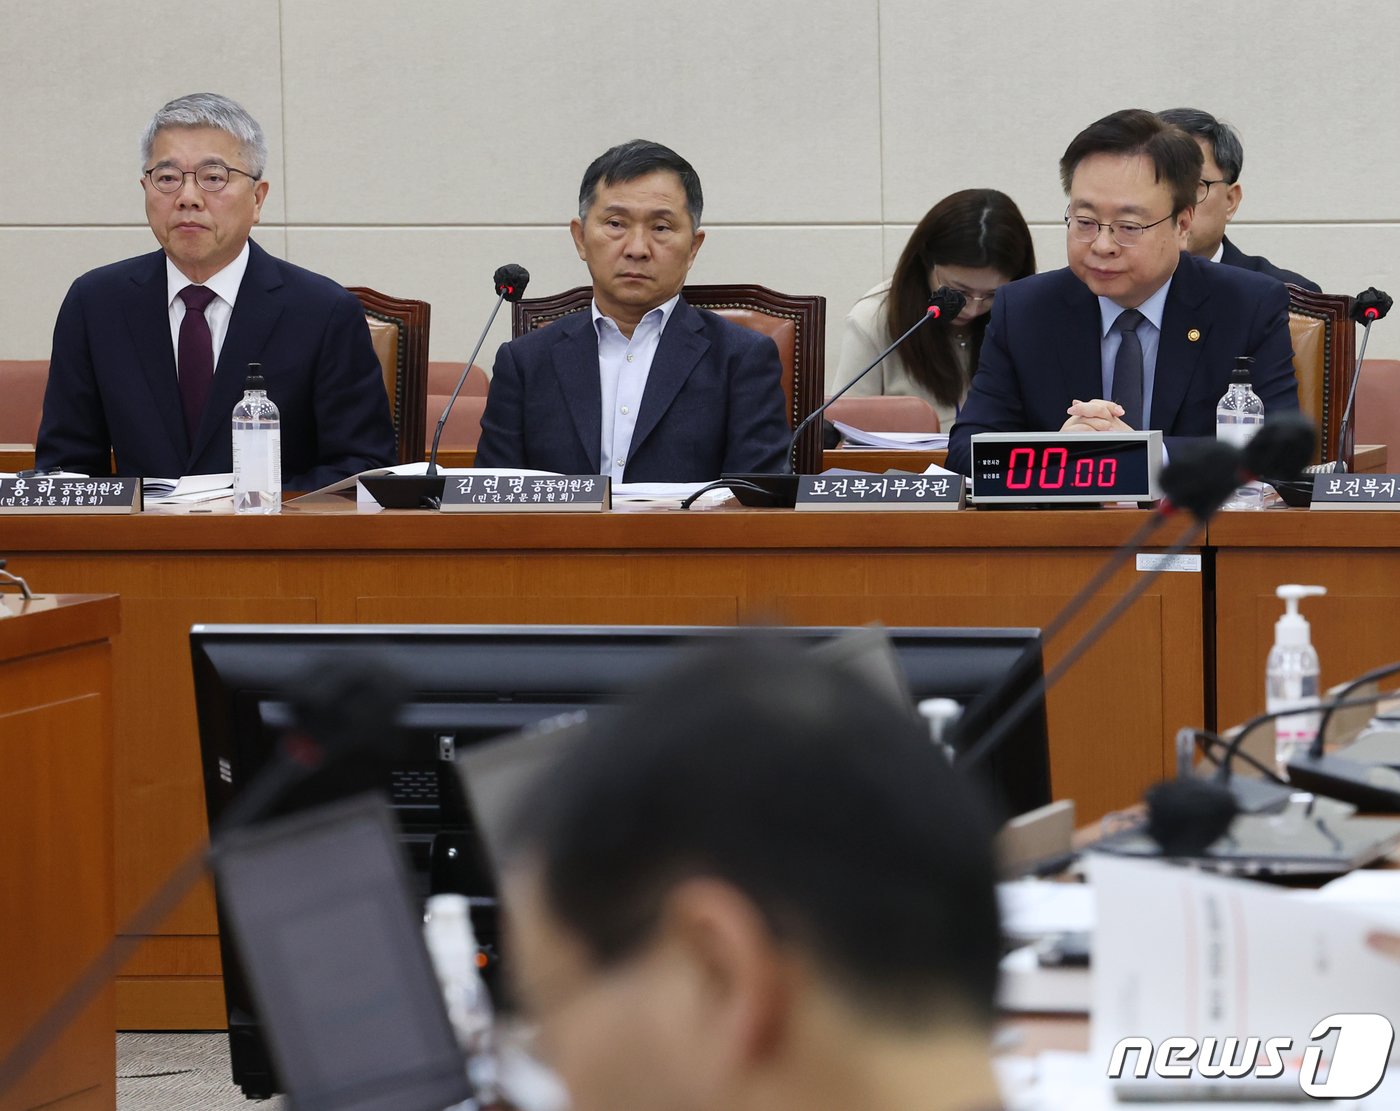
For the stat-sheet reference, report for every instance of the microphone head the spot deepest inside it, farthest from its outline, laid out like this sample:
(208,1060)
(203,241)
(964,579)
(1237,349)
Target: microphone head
(1200,476)
(946,303)
(1371,305)
(511,281)
(348,703)
(1187,816)
(1281,449)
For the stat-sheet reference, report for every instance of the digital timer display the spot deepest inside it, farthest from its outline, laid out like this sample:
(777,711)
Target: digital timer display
(1043,467)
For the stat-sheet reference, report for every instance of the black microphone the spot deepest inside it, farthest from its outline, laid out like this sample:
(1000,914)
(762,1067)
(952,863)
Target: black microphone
(411,491)
(510,281)
(780,490)
(945,304)
(1200,477)
(1370,305)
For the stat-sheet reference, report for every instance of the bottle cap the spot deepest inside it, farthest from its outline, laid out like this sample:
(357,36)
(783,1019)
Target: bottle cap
(1292,629)
(254,380)
(1244,370)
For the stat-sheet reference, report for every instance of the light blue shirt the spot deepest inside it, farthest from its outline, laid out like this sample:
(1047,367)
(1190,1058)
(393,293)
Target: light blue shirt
(623,366)
(1149,335)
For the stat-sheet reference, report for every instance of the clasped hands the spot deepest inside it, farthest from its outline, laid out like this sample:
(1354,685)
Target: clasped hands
(1095,416)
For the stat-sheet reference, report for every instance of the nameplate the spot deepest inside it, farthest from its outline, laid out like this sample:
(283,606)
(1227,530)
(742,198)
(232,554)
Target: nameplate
(70,495)
(1356,491)
(883,492)
(526,493)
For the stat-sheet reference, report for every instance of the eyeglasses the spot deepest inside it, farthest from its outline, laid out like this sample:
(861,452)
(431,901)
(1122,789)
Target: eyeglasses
(1124,232)
(211,177)
(973,297)
(1206,183)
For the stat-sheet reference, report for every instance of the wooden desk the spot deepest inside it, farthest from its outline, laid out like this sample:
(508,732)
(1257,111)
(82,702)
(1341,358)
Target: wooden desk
(1356,626)
(56,837)
(1111,737)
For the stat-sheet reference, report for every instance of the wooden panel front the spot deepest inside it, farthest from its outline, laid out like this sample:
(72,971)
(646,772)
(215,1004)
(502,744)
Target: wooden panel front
(1111,721)
(56,846)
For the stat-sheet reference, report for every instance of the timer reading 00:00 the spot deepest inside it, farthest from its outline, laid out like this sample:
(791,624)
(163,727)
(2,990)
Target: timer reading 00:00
(1053,471)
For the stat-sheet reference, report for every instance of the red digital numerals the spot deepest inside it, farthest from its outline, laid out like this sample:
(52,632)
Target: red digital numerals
(1051,471)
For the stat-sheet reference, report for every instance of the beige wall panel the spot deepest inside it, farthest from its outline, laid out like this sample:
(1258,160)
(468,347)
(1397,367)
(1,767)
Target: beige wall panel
(49,259)
(79,80)
(451,269)
(470,113)
(1294,77)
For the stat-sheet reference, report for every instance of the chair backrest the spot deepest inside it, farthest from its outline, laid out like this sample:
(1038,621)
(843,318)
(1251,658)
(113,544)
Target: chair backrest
(885,413)
(1324,359)
(797,324)
(22,384)
(1377,416)
(399,331)
(463,428)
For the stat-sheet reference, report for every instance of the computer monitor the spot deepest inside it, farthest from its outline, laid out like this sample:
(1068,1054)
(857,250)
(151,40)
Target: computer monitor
(471,683)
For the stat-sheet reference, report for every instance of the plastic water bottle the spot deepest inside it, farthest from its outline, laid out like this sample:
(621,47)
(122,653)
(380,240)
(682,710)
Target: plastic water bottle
(451,942)
(1292,675)
(1238,416)
(257,449)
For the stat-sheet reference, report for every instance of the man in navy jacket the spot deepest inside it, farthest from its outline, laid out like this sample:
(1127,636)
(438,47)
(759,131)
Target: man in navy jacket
(124,378)
(1051,354)
(643,387)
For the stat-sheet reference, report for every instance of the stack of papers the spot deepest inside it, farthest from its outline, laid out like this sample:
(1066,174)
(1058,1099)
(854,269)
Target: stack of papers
(190,489)
(893,441)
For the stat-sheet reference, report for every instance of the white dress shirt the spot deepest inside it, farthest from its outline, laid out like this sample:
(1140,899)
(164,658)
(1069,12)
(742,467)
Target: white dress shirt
(225,286)
(623,366)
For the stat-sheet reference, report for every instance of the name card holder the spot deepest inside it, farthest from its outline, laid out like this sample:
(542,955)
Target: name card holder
(881,492)
(526,493)
(1356,491)
(70,495)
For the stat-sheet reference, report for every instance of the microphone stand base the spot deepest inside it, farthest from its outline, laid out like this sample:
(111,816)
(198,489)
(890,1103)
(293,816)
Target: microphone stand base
(406,491)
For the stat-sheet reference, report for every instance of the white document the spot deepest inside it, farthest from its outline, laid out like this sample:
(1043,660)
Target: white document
(892,441)
(1180,953)
(665,493)
(187,489)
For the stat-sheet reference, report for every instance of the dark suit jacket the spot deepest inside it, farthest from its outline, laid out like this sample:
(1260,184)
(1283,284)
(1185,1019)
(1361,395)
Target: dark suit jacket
(1233,256)
(113,388)
(1042,351)
(713,402)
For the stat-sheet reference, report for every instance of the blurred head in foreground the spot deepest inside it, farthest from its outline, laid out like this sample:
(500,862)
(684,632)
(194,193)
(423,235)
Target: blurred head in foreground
(756,885)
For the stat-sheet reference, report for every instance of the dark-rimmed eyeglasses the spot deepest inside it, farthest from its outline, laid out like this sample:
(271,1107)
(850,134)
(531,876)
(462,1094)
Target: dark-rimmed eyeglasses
(1125,233)
(211,177)
(1206,183)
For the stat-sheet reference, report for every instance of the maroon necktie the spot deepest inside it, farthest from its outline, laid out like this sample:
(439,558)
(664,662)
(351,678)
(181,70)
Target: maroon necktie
(196,356)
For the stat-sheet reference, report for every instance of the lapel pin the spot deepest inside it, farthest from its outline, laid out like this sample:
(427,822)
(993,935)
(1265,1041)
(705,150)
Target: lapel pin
(1193,335)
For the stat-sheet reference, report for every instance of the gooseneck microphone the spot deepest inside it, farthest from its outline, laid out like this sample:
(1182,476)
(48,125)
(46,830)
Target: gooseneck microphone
(780,490)
(414,491)
(510,281)
(1370,305)
(944,305)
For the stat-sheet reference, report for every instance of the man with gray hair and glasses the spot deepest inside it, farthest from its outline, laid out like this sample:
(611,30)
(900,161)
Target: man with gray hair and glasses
(150,354)
(1221,194)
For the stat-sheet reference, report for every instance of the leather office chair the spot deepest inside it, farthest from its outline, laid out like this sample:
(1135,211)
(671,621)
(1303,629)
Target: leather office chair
(1377,416)
(399,331)
(22,384)
(885,413)
(797,324)
(1324,359)
(463,428)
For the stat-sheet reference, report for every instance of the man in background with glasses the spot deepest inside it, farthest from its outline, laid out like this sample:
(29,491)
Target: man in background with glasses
(1135,333)
(1221,194)
(150,354)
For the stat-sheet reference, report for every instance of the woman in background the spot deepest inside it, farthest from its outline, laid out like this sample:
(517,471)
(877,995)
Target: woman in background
(974,241)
